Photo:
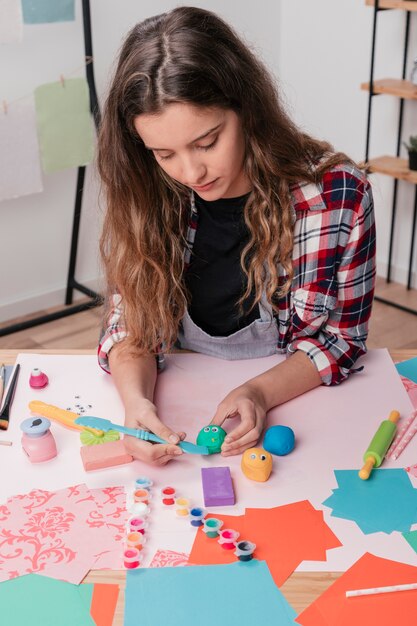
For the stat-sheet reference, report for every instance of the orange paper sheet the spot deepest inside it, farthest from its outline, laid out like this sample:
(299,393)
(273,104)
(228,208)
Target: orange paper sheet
(332,607)
(287,535)
(284,537)
(207,551)
(103,603)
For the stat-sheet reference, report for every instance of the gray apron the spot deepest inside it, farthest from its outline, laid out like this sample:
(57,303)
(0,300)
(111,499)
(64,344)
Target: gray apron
(258,339)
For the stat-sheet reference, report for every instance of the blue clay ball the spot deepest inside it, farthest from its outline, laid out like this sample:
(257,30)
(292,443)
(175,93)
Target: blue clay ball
(279,440)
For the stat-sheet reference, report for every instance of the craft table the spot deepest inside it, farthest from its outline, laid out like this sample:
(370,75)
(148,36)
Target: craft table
(301,589)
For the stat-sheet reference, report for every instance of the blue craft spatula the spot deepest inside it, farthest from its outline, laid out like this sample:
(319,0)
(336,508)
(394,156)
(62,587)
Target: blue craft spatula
(102,424)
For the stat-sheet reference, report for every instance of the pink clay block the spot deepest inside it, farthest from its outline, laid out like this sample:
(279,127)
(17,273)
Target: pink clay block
(106,454)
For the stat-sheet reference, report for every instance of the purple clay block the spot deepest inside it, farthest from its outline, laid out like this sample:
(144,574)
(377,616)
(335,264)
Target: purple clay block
(217,486)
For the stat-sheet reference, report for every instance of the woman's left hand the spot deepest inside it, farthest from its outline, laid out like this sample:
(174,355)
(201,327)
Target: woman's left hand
(249,404)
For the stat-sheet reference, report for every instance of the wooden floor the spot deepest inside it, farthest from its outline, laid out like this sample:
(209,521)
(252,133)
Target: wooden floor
(389,327)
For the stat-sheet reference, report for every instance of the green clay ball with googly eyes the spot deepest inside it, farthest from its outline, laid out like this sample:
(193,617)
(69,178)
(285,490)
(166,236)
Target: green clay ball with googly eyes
(212,437)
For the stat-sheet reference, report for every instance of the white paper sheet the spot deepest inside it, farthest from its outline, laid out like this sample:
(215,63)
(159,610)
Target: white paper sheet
(333,427)
(11,21)
(20,167)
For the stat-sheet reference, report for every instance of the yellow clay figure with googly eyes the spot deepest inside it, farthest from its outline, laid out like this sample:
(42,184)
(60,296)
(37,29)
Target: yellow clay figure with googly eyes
(257,464)
(211,436)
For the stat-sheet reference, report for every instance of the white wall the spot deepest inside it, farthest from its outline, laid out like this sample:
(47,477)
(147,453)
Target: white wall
(321,51)
(323,58)
(35,231)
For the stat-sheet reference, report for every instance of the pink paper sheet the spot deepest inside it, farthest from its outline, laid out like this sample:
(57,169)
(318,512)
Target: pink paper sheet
(51,533)
(111,502)
(169,558)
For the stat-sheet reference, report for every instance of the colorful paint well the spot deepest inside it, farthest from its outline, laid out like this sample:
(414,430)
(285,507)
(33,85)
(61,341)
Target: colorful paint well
(135,539)
(131,558)
(143,482)
(182,507)
(244,550)
(227,538)
(141,495)
(168,496)
(137,524)
(211,527)
(197,516)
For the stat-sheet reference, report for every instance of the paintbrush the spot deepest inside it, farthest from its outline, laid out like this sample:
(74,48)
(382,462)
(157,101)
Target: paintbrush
(7,404)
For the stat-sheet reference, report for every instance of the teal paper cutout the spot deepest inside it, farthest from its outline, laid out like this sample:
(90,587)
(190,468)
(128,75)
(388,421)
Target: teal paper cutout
(47,11)
(386,502)
(411,538)
(408,369)
(237,593)
(35,600)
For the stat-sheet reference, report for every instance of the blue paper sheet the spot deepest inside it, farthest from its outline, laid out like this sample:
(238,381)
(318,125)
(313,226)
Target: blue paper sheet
(386,502)
(408,369)
(46,11)
(207,595)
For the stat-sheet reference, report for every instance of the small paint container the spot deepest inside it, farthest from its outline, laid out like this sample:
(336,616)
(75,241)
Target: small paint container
(137,524)
(135,539)
(131,558)
(168,496)
(196,516)
(228,538)
(244,550)
(139,509)
(141,495)
(211,527)
(38,379)
(143,482)
(182,507)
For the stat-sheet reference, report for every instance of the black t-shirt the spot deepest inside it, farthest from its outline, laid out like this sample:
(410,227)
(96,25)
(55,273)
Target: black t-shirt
(215,279)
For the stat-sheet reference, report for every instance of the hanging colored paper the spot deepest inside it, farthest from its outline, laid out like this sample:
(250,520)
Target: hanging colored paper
(206,595)
(20,167)
(11,22)
(65,125)
(47,11)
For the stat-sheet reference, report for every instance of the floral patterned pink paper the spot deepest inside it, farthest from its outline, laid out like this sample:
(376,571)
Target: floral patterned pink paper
(169,558)
(57,534)
(112,511)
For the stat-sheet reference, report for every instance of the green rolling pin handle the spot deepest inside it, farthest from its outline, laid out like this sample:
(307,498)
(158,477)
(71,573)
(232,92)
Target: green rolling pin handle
(379,445)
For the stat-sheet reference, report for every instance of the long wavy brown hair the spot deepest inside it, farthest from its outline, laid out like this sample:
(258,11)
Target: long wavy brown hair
(191,55)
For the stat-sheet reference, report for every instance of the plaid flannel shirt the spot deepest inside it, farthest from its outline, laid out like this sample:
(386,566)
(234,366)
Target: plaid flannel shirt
(326,312)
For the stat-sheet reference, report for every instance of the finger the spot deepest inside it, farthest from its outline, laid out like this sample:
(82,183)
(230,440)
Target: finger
(249,438)
(162,453)
(148,452)
(222,415)
(239,449)
(161,430)
(248,422)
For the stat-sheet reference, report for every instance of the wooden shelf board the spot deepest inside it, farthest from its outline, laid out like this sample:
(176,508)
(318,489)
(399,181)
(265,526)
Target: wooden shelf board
(393,166)
(393,87)
(394,4)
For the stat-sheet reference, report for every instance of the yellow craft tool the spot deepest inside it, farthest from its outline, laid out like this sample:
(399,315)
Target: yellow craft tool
(64,417)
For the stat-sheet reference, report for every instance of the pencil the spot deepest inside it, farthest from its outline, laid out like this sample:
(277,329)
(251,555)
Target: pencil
(7,405)
(390,589)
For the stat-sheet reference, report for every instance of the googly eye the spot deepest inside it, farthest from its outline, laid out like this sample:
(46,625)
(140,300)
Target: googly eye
(252,456)
(263,457)
(207,429)
(214,429)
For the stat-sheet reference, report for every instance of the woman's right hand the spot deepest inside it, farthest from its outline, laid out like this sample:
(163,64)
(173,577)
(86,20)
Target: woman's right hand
(144,415)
